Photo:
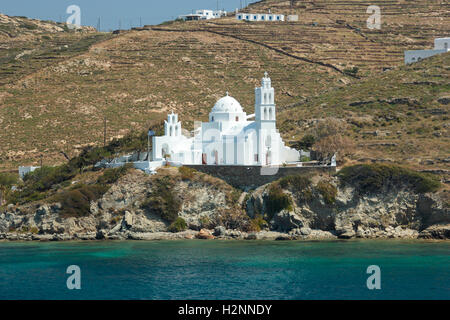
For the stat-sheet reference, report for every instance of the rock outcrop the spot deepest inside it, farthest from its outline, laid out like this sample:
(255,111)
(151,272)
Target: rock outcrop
(119,214)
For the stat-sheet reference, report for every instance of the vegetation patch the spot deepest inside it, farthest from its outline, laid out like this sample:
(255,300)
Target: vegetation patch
(39,182)
(328,192)
(258,223)
(187,173)
(296,183)
(111,176)
(277,200)
(7,180)
(163,201)
(178,225)
(77,201)
(367,178)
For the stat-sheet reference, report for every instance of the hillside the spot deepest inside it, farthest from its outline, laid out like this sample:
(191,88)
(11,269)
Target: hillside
(56,87)
(400,115)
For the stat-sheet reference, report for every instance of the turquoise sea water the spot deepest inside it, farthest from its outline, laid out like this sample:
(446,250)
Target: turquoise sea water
(225,270)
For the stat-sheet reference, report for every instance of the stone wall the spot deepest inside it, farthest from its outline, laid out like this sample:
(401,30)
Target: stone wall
(251,177)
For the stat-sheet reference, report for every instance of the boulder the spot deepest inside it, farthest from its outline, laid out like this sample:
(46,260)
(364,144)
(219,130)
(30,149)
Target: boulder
(204,234)
(284,221)
(439,231)
(219,231)
(127,221)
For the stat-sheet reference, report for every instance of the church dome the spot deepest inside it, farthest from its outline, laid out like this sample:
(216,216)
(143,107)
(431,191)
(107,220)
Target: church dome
(227,104)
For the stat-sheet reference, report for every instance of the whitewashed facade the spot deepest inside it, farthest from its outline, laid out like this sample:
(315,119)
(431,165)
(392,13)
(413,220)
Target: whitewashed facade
(266,17)
(230,137)
(441,45)
(204,14)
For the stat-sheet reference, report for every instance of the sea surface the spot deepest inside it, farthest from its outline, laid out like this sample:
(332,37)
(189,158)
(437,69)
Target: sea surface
(196,269)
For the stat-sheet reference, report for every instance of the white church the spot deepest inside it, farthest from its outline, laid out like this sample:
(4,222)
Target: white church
(231,137)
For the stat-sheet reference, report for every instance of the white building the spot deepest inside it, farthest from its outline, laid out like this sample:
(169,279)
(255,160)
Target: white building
(24,170)
(230,137)
(441,45)
(259,17)
(203,15)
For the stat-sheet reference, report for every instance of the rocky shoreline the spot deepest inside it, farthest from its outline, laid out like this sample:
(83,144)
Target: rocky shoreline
(221,233)
(322,209)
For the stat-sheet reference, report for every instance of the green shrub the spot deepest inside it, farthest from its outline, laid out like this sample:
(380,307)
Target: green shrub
(367,178)
(296,183)
(163,200)
(328,192)
(77,202)
(307,142)
(258,223)
(187,173)
(277,200)
(111,176)
(39,182)
(304,159)
(178,225)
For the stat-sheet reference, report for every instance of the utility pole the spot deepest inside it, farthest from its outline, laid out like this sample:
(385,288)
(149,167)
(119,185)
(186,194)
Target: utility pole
(41,160)
(98,24)
(104,132)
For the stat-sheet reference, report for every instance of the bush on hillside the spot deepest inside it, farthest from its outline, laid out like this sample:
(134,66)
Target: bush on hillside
(77,201)
(367,178)
(178,225)
(296,183)
(163,201)
(328,192)
(277,200)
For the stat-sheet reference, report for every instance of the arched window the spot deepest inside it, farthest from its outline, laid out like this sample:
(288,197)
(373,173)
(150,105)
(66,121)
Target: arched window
(265,114)
(270,98)
(176,130)
(270,114)
(171,131)
(265,98)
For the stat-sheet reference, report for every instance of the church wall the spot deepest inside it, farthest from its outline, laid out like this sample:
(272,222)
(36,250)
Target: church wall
(249,177)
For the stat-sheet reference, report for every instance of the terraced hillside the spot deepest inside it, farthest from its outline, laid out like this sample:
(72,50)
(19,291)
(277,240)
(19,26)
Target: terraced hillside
(399,116)
(56,97)
(336,32)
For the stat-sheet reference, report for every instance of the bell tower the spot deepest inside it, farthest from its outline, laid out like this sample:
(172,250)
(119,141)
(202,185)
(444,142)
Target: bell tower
(265,101)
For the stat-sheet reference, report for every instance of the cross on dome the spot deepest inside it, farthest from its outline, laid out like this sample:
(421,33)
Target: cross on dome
(266,74)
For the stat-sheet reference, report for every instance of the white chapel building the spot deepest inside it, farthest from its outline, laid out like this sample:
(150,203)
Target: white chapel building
(231,137)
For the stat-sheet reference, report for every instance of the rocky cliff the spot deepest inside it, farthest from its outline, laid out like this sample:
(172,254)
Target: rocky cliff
(316,207)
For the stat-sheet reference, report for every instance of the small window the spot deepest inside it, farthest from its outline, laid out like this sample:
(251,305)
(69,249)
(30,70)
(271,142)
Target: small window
(254,17)
(212,118)
(247,17)
(237,118)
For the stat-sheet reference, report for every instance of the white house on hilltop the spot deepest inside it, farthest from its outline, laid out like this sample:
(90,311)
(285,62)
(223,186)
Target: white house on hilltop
(441,45)
(203,15)
(230,137)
